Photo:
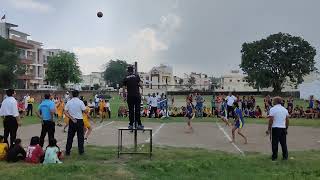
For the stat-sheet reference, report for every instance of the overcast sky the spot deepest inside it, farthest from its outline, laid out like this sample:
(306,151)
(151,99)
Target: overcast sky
(189,35)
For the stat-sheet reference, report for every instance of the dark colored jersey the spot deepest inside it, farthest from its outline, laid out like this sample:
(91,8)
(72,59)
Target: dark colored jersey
(132,83)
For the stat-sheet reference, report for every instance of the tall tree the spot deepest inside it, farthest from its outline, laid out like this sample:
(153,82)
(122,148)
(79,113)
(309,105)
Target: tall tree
(215,82)
(278,59)
(63,68)
(116,71)
(10,67)
(191,82)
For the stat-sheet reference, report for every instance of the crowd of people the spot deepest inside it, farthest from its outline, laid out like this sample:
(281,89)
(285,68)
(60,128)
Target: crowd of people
(156,106)
(76,112)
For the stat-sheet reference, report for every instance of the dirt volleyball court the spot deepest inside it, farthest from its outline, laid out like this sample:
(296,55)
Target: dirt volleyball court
(208,135)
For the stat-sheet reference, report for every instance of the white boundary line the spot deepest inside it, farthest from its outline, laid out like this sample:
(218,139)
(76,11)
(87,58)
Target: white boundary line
(229,138)
(156,132)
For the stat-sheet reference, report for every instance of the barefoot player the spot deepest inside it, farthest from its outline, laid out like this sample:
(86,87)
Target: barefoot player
(190,113)
(239,122)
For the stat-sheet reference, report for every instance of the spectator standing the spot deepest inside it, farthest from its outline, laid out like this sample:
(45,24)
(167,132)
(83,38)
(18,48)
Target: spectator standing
(9,110)
(46,113)
(73,110)
(230,100)
(278,126)
(154,106)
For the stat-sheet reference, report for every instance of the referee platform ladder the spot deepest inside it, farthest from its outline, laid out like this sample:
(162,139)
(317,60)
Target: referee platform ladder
(135,141)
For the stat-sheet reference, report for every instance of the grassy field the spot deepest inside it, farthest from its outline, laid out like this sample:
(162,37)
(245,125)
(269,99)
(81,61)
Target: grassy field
(169,163)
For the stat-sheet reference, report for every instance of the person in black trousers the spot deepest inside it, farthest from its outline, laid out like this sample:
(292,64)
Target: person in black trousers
(74,111)
(132,82)
(46,114)
(9,110)
(278,126)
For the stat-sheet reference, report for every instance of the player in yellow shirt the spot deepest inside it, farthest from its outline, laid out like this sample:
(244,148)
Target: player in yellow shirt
(86,121)
(3,149)
(102,110)
(60,109)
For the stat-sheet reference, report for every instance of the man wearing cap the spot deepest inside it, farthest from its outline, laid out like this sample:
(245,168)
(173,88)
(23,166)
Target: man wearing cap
(278,125)
(132,82)
(9,111)
(74,110)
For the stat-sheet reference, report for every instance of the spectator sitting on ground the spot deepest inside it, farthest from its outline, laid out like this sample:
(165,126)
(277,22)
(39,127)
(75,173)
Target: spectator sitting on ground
(251,113)
(302,114)
(175,112)
(296,112)
(182,112)
(258,112)
(309,113)
(122,111)
(16,152)
(3,149)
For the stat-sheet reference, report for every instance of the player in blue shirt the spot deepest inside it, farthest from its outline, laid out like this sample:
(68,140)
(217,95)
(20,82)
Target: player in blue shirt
(239,122)
(189,113)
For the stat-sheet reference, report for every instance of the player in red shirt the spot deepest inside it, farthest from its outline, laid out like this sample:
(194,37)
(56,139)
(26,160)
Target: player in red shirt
(35,153)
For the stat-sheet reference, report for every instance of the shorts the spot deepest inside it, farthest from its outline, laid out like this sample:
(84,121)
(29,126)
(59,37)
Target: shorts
(86,123)
(239,124)
(189,116)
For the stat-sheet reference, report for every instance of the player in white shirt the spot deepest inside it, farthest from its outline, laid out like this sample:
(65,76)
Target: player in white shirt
(278,125)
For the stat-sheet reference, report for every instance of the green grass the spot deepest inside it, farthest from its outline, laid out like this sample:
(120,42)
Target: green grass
(169,163)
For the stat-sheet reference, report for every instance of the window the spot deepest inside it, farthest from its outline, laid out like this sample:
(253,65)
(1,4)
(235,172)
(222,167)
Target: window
(230,80)
(238,80)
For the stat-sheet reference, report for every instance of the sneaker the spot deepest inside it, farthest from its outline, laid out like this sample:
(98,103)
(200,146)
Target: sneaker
(140,127)
(130,127)
(86,140)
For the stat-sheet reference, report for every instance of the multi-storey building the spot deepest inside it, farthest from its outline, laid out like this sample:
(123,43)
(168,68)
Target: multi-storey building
(94,78)
(30,55)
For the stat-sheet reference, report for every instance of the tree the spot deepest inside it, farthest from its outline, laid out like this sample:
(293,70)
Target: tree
(180,81)
(278,59)
(10,67)
(116,71)
(63,68)
(191,82)
(215,82)
(96,86)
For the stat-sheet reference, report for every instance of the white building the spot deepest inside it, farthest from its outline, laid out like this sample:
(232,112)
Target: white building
(202,81)
(159,79)
(234,81)
(94,78)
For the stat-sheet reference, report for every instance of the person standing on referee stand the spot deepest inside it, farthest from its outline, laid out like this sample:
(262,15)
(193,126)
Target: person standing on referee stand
(9,110)
(278,126)
(74,111)
(132,82)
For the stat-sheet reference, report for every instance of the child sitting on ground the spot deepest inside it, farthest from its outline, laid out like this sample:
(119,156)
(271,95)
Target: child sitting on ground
(3,149)
(34,151)
(53,153)
(16,152)
(251,113)
(258,112)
